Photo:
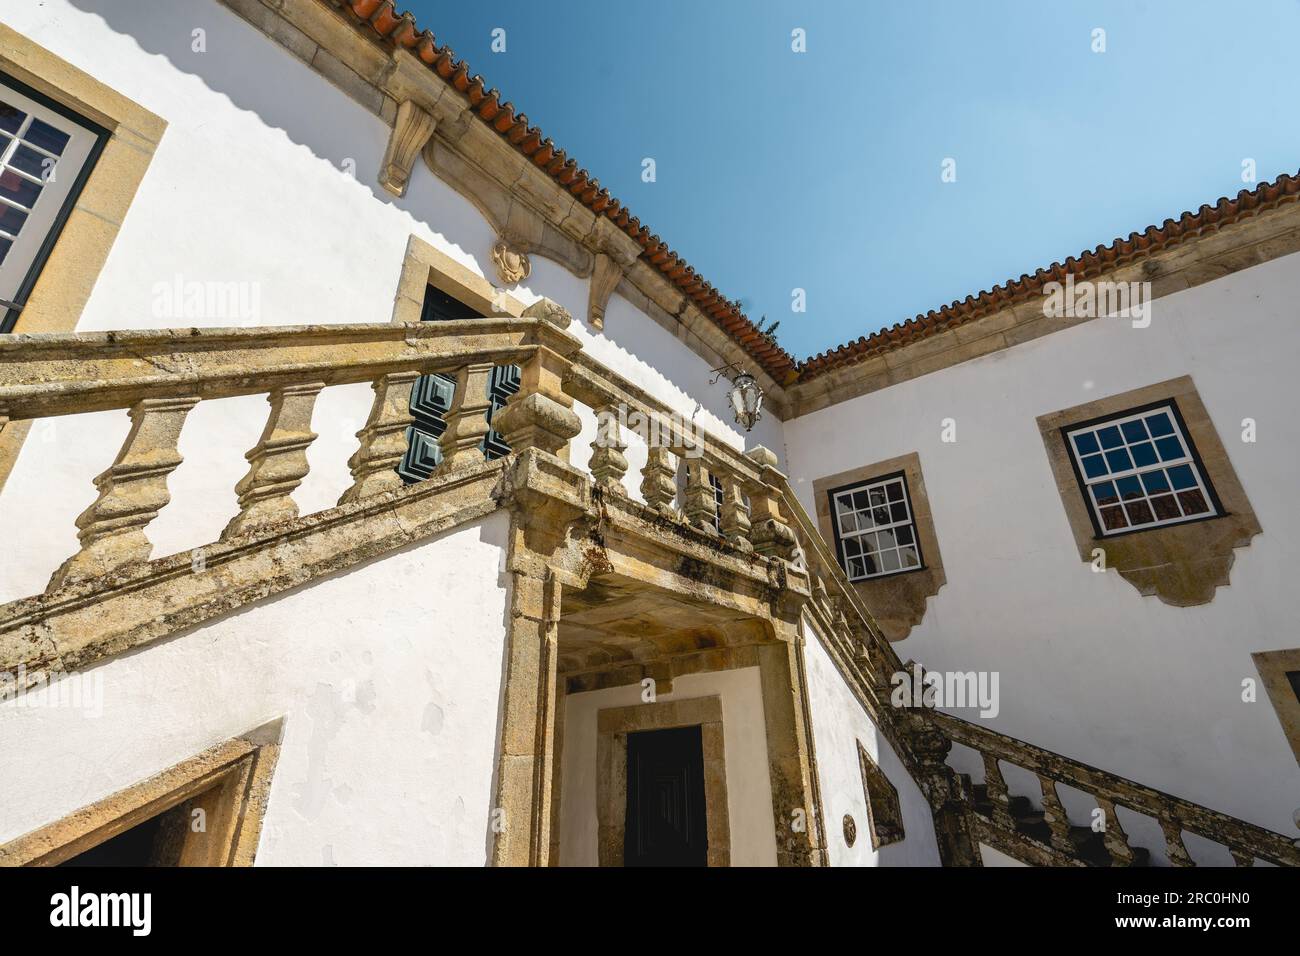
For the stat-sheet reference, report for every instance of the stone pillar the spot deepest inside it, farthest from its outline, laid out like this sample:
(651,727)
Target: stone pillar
(278,462)
(541,415)
(794,808)
(383,439)
(462,440)
(522,810)
(769,532)
(131,493)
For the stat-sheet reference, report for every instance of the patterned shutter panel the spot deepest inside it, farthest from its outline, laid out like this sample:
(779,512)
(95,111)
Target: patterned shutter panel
(431,397)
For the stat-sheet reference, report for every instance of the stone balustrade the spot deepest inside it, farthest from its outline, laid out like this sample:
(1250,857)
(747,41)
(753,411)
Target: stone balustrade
(1175,816)
(159,377)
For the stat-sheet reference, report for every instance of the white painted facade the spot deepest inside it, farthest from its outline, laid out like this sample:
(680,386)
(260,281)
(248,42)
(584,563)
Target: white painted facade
(1088,667)
(390,713)
(839,725)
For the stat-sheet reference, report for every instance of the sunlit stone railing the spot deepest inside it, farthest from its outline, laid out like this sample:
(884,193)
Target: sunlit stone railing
(1246,841)
(160,376)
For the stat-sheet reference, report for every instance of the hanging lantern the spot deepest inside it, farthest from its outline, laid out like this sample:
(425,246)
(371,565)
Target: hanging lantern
(746,396)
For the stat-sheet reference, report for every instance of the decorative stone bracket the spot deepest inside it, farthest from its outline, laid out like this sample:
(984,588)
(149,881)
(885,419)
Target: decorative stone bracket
(605,277)
(411,130)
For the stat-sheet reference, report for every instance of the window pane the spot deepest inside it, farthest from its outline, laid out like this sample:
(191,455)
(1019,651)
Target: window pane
(1165,507)
(1139,512)
(1110,437)
(46,137)
(11,117)
(1094,466)
(1086,443)
(31,162)
(16,189)
(1182,476)
(1134,431)
(1155,481)
(1129,487)
(11,219)
(1193,502)
(5,244)
(909,556)
(1143,454)
(1160,425)
(1105,493)
(1118,460)
(1170,448)
(896,491)
(889,561)
(1113,518)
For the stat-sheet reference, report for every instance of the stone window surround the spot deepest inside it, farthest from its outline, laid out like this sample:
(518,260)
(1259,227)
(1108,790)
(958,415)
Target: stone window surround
(612,727)
(60,294)
(1273,667)
(897,600)
(230,782)
(1181,564)
(884,812)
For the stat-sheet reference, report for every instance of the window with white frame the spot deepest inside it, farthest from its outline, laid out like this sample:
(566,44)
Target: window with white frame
(46,152)
(1139,470)
(875,533)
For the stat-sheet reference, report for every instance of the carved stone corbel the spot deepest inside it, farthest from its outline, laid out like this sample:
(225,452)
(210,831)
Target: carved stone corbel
(513,265)
(605,277)
(411,130)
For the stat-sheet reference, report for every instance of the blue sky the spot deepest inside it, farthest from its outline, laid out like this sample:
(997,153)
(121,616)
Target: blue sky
(821,170)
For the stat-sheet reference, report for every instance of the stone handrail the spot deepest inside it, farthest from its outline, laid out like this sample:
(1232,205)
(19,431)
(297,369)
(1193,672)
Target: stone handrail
(160,375)
(1246,841)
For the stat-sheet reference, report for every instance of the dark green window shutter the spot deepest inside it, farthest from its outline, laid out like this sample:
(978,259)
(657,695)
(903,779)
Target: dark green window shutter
(431,397)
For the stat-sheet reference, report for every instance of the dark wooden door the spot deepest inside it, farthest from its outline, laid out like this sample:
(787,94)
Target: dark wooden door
(665,799)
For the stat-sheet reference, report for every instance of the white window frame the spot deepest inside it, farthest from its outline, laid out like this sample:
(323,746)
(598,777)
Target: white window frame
(68,171)
(1188,458)
(842,535)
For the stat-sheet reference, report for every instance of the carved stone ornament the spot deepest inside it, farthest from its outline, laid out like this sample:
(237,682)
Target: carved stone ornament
(850,830)
(512,265)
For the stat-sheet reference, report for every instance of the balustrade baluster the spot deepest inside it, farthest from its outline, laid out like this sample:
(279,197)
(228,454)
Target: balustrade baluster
(997,791)
(608,463)
(1113,836)
(770,534)
(131,493)
(1174,846)
(735,523)
(698,503)
(1058,823)
(278,462)
(383,438)
(659,480)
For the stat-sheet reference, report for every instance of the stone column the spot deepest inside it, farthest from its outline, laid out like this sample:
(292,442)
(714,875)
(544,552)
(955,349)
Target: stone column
(541,415)
(462,440)
(769,532)
(131,493)
(522,810)
(794,808)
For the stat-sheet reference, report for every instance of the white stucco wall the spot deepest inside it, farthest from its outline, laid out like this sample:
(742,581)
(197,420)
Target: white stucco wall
(749,787)
(388,679)
(839,724)
(250,185)
(1088,667)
